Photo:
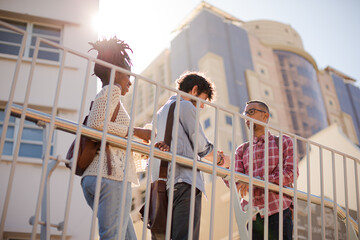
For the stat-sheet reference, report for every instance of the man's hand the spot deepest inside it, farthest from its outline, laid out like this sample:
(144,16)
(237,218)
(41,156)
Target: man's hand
(243,188)
(220,158)
(162,146)
(223,160)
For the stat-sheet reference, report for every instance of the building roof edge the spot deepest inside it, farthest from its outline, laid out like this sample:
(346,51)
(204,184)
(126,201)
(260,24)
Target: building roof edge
(204,5)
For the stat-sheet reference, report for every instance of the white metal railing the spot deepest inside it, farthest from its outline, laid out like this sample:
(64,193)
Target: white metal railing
(53,122)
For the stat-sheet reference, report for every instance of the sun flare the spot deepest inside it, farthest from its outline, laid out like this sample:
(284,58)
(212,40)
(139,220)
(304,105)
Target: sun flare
(104,25)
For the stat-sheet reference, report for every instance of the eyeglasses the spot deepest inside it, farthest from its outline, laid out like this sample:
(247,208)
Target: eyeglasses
(251,111)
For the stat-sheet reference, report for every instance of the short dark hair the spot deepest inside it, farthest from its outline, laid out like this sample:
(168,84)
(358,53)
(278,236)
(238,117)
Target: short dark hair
(112,50)
(188,80)
(262,105)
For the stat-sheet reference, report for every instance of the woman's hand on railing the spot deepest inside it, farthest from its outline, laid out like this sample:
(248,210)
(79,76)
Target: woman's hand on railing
(144,134)
(162,146)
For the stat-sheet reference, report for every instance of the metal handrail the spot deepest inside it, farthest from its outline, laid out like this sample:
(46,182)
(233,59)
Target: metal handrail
(71,127)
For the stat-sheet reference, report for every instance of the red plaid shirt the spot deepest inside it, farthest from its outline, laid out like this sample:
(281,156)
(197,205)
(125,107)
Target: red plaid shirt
(242,165)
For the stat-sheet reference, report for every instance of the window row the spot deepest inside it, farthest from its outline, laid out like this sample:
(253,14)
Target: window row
(10,41)
(31,143)
(228,120)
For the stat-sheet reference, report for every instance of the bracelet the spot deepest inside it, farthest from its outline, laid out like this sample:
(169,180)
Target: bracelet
(221,161)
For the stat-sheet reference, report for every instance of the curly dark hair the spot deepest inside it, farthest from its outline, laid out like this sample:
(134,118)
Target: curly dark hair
(113,51)
(188,80)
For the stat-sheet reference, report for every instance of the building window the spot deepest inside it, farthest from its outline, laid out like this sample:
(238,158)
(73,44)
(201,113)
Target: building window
(132,204)
(228,120)
(262,71)
(259,54)
(141,175)
(207,123)
(266,92)
(31,143)
(10,42)
(230,145)
(143,196)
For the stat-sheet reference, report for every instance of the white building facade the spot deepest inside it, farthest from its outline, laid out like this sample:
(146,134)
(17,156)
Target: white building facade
(67,23)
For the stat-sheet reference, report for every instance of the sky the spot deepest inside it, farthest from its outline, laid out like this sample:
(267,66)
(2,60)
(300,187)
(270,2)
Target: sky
(330,29)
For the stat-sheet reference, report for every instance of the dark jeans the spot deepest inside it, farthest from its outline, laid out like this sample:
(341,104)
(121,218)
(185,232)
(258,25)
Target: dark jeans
(181,213)
(258,226)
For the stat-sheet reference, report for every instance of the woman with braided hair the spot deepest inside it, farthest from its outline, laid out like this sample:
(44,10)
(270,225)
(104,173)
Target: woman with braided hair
(113,51)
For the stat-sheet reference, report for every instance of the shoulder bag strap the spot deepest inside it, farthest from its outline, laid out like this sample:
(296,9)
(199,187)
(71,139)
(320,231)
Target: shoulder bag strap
(107,150)
(167,139)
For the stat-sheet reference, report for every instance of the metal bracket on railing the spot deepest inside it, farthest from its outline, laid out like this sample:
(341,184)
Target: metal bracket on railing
(58,226)
(41,124)
(352,231)
(242,218)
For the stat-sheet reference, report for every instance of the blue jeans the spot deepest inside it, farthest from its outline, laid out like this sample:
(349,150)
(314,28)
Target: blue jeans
(109,207)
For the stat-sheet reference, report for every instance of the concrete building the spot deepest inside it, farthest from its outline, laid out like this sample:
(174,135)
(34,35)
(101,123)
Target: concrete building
(256,60)
(67,23)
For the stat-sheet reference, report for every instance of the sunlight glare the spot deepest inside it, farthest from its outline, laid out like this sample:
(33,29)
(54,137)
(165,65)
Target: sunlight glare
(106,22)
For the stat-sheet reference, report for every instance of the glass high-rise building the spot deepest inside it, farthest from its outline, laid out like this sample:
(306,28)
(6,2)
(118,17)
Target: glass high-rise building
(255,60)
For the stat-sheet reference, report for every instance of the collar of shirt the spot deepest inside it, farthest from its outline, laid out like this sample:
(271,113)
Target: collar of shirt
(261,140)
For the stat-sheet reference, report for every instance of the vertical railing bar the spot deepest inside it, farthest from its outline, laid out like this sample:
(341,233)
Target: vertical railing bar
(76,147)
(281,172)
(233,168)
(11,95)
(346,199)
(45,211)
(213,176)
(295,170)
(322,192)
(151,163)
(45,176)
(233,178)
(102,155)
(266,216)
(128,154)
(251,176)
(173,166)
(334,195)
(308,189)
(357,194)
(21,127)
(194,172)
(3,135)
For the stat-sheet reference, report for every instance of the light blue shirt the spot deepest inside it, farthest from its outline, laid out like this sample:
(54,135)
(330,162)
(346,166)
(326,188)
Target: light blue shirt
(186,136)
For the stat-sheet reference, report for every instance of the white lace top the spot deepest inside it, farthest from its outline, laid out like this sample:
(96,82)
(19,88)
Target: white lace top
(120,128)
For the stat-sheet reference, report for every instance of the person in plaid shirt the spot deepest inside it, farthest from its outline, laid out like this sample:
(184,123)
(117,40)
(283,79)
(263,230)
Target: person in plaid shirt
(260,111)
